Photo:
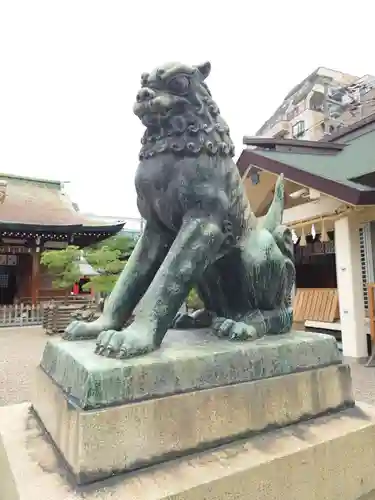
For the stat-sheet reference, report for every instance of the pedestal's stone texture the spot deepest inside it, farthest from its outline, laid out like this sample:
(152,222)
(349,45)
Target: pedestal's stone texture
(187,361)
(328,458)
(107,416)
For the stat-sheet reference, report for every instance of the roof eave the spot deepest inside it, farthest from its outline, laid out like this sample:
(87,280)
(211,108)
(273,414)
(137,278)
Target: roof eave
(60,228)
(347,194)
(272,142)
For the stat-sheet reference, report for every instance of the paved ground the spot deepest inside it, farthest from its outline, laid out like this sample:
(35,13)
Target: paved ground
(20,352)
(21,349)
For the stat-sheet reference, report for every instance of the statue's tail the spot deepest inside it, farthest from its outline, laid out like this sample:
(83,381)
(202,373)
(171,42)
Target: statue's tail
(282,234)
(274,216)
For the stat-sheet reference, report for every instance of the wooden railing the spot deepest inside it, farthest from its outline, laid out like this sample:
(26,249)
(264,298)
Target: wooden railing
(21,315)
(56,298)
(26,314)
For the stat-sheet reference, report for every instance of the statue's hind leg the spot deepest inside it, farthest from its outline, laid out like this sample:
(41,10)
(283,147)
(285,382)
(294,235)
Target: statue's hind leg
(213,298)
(255,325)
(270,279)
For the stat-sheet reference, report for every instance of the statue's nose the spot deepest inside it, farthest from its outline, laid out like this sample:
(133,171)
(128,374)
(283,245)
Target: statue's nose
(145,94)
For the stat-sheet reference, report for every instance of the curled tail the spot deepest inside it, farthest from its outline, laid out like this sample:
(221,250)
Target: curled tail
(282,235)
(274,216)
(272,221)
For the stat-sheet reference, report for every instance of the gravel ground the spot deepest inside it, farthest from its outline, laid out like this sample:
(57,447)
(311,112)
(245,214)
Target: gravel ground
(20,353)
(21,350)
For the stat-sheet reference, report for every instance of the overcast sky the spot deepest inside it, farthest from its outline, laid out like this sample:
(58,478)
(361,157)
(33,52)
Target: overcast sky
(70,69)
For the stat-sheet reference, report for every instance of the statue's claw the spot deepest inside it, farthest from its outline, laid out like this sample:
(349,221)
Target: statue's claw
(233,330)
(221,327)
(82,330)
(132,341)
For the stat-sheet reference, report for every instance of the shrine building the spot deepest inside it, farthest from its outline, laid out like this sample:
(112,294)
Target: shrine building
(36,215)
(330,206)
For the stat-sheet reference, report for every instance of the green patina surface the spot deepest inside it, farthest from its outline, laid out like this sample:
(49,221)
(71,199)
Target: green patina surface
(200,230)
(356,159)
(186,361)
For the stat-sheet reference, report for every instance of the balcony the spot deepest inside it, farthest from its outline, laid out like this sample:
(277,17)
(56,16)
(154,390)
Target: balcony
(280,130)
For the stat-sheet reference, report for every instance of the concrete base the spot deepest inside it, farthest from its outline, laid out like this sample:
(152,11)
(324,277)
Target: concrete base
(330,458)
(99,443)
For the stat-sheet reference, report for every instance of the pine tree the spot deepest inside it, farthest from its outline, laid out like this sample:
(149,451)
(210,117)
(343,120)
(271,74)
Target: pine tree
(108,259)
(63,265)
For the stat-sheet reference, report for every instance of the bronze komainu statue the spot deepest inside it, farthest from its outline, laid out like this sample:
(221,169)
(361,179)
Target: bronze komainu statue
(200,230)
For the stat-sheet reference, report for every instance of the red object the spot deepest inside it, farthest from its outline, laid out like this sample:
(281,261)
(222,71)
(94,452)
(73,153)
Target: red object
(75,289)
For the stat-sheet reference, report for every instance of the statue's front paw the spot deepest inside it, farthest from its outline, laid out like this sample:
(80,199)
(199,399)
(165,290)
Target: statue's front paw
(132,341)
(82,330)
(233,330)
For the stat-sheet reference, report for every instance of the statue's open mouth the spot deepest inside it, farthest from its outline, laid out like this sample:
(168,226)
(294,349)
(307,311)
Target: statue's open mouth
(146,108)
(159,107)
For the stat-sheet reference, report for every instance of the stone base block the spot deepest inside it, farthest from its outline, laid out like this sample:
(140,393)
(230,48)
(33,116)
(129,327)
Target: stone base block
(327,458)
(187,361)
(99,443)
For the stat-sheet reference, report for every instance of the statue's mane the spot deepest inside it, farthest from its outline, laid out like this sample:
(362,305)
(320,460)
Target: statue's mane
(192,133)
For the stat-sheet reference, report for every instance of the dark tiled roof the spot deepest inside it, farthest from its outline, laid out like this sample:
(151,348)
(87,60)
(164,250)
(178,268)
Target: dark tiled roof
(39,202)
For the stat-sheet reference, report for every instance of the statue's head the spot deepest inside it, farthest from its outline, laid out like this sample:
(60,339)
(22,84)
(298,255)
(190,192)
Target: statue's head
(175,105)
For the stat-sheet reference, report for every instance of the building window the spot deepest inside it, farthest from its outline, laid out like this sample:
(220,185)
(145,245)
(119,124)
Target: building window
(298,129)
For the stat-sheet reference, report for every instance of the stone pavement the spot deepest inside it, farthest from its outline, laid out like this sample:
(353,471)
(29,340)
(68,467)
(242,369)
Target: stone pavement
(21,350)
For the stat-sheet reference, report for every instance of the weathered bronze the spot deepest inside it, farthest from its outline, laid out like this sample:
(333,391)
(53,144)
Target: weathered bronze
(200,230)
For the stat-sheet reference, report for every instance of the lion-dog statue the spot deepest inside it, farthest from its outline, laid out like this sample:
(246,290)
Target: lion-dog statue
(200,230)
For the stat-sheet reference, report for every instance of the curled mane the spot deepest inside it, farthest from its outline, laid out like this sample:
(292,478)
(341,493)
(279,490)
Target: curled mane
(195,129)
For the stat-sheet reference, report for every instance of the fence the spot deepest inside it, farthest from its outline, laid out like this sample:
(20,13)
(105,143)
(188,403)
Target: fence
(21,315)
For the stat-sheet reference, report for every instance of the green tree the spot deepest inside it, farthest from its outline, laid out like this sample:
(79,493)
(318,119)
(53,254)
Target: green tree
(63,265)
(124,244)
(108,258)
(193,300)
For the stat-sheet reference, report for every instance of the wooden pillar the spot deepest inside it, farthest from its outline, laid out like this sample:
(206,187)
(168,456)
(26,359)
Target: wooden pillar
(35,276)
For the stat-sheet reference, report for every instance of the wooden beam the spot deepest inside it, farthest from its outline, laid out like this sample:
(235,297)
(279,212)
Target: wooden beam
(35,276)
(265,204)
(272,142)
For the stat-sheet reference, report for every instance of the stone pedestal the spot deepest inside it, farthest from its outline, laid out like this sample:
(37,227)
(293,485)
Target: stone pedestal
(107,416)
(326,458)
(269,419)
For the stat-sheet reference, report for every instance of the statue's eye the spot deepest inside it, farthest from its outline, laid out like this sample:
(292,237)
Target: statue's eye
(179,84)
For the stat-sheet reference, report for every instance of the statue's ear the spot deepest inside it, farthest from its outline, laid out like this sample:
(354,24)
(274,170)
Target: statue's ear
(204,69)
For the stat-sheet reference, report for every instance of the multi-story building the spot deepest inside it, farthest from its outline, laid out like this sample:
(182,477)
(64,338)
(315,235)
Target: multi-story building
(350,104)
(302,113)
